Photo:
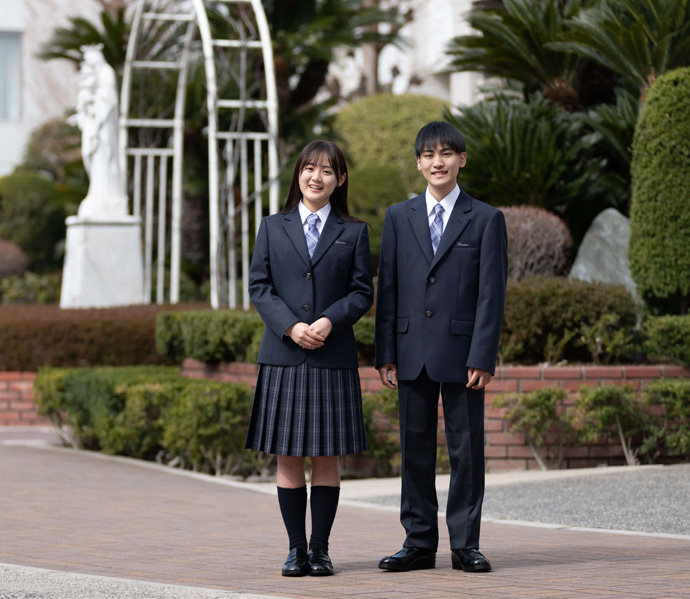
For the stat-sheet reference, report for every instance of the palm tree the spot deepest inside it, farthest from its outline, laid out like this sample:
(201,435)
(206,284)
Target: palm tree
(513,45)
(637,39)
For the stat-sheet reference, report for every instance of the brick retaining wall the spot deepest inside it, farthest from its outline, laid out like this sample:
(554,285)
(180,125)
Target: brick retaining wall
(503,450)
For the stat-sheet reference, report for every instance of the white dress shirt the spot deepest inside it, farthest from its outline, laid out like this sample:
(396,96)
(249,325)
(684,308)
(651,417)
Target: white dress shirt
(448,204)
(322,213)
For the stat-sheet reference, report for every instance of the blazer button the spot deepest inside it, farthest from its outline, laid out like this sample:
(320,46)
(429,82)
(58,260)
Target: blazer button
(432,280)
(306,307)
(429,314)
(307,276)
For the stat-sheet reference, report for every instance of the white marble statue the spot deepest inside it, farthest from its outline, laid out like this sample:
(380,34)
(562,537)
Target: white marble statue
(97,117)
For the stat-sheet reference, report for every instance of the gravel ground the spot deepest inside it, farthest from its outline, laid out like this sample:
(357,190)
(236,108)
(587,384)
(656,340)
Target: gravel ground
(652,500)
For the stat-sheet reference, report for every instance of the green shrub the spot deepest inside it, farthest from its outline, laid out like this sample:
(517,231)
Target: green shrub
(670,433)
(540,415)
(669,336)
(31,218)
(381,129)
(611,410)
(610,340)
(371,189)
(229,336)
(545,314)
(660,208)
(32,336)
(382,423)
(151,413)
(31,288)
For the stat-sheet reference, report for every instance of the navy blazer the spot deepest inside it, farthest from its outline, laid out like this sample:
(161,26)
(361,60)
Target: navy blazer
(442,311)
(286,287)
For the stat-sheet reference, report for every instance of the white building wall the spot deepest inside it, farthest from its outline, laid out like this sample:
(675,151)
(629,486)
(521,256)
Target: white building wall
(48,89)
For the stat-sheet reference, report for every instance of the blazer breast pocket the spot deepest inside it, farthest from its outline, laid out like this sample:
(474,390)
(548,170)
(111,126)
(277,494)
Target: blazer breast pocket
(342,244)
(466,245)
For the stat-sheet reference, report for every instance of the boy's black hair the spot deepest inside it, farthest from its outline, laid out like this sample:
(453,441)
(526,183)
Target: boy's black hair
(439,132)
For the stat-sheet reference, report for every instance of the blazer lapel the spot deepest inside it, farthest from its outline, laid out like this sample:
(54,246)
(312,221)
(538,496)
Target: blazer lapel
(293,227)
(420,225)
(332,229)
(458,220)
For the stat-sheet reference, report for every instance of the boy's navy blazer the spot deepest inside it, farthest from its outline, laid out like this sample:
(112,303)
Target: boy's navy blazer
(442,311)
(286,287)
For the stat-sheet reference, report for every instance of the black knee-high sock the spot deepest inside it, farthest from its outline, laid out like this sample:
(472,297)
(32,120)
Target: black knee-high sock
(324,504)
(293,507)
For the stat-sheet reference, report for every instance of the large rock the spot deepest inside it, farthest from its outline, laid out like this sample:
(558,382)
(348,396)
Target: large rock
(603,254)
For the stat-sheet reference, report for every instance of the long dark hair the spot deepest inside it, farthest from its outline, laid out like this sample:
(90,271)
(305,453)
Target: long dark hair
(312,153)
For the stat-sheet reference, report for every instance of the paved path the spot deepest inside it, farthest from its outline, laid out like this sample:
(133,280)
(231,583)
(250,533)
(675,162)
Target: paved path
(77,525)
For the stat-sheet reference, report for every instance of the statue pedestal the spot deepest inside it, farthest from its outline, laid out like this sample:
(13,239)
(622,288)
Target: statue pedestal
(103,263)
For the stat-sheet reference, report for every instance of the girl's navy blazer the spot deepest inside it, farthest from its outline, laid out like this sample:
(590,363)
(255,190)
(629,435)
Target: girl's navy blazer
(287,287)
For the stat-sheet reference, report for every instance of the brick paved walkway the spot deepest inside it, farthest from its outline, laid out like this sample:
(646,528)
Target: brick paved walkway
(78,512)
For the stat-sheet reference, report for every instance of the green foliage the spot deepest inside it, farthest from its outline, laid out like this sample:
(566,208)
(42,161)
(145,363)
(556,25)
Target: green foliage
(670,432)
(371,189)
(511,44)
(532,153)
(381,129)
(610,339)
(637,39)
(31,288)
(660,210)
(541,416)
(669,336)
(229,336)
(611,410)
(31,218)
(150,413)
(382,423)
(32,336)
(546,312)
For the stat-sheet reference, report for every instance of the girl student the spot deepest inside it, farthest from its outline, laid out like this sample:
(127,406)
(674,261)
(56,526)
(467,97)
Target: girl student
(310,280)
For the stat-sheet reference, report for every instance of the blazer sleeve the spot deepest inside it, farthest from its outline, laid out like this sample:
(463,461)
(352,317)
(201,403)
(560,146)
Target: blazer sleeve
(493,277)
(387,296)
(273,310)
(360,291)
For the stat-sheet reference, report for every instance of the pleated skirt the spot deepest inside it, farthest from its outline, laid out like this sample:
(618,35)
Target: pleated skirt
(307,411)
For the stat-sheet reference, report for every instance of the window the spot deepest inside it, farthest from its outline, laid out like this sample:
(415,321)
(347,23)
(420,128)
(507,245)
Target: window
(10,76)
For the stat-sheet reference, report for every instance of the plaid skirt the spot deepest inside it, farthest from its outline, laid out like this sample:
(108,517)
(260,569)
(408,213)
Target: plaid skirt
(307,411)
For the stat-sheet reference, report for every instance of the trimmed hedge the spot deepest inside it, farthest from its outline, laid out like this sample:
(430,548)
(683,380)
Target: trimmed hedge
(660,208)
(669,337)
(546,317)
(32,336)
(150,413)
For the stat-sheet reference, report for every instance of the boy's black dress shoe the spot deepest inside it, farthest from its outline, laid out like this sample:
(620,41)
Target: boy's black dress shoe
(297,563)
(409,558)
(469,560)
(319,563)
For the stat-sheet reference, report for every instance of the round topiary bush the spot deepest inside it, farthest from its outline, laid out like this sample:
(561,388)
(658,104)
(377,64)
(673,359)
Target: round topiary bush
(382,129)
(13,260)
(31,218)
(538,242)
(660,174)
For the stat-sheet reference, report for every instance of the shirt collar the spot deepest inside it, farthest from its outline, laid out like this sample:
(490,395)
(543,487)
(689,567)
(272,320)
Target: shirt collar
(448,202)
(322,213)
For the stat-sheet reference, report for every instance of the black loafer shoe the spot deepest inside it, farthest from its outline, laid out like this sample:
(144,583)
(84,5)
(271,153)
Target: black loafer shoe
(319,563)
(409,558)
(469,560)
(297,563)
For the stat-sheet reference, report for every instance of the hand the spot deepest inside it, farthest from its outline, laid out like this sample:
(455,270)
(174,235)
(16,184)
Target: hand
(322,326)
(389,375)
(302,335)
(478,379)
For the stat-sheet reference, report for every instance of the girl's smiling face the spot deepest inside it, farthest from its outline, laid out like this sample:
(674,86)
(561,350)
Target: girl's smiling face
(317,181)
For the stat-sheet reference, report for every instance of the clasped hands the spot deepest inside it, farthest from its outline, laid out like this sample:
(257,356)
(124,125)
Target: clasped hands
(310,336)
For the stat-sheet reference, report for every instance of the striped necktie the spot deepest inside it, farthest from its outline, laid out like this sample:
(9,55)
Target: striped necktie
(437,227)
(312,233)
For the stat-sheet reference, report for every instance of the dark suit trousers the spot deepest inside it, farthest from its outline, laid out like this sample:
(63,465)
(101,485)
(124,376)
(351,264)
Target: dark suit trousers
(464,426)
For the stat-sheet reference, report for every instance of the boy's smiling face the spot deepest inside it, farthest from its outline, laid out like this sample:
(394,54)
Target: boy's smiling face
(440,166)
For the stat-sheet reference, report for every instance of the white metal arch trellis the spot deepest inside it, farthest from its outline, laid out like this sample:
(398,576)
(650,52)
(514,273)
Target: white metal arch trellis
(162,40)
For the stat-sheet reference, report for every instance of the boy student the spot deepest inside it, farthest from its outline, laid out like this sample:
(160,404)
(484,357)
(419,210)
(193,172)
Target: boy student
(441,293)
